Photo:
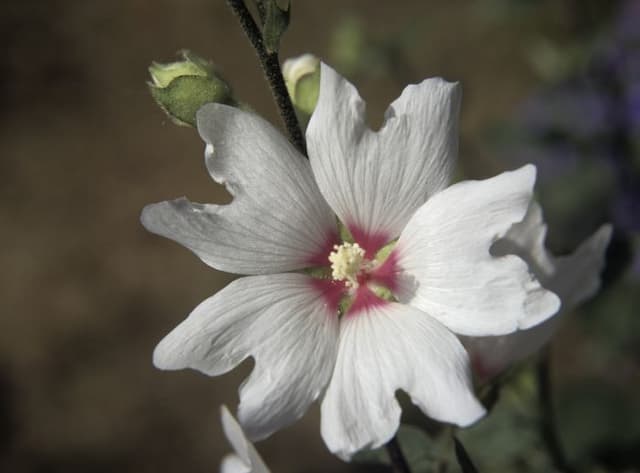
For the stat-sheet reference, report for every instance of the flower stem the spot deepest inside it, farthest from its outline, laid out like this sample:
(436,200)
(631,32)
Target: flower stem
(464,460)
(547,421)
(398,461)
(271,68)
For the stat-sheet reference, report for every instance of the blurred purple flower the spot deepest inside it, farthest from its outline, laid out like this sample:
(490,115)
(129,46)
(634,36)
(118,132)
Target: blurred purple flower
(575,110)
(626,22)
(592,117)
(626,209)
(633,108)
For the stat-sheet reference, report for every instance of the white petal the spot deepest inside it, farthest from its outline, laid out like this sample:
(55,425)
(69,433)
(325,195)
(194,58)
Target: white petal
(246,459)
(446,268)
(284,323)
(375,181)
(526,240)
(278,220)
(233,464)
(574,278)
(387,348)
(491,355)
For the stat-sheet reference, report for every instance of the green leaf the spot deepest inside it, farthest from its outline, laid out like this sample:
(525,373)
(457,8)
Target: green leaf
(184,95)
(275,24)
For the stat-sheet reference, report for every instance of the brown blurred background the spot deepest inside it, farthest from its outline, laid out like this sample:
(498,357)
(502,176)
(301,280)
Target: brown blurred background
(86,292)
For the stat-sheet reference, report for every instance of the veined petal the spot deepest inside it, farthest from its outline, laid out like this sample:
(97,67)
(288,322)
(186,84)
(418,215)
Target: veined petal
(284,322)
(232,463)
(278,220)
(446,268)
(375,181)
(245,459)
(574,278)
(385,348)
(526,240)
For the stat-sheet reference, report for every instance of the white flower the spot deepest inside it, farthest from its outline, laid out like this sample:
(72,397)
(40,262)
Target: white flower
(384,185)
(245,459)
(574,278)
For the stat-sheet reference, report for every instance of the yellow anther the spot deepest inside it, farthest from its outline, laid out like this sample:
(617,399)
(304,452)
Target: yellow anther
(346,262)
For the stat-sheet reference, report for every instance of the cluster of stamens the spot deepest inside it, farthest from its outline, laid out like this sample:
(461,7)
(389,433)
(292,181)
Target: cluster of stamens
(347,261)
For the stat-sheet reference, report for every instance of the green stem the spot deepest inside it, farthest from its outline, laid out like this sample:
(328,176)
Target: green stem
(398,461)
(547,421)
(271,67)
(463,457)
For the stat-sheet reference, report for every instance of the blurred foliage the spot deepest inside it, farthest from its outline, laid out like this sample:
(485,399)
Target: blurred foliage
(424,453)
(357,53)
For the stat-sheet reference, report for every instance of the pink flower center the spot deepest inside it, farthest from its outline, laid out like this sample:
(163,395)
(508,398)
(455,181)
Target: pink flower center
(360,278)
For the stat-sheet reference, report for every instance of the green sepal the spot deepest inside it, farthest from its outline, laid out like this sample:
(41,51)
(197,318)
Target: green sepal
(345,304)
(192,65)
(345,234)
(306,92)
(318,272)
(180,88)
(182,98)
(276,23)
(382,292)
(384,252)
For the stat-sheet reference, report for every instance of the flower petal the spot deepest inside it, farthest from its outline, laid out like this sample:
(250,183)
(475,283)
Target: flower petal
(281,320)
(278,220)
(447,270)
(246,459)
(526,240)
(577,277)
(233,464)
(375,181)
(385,348)
(574,278)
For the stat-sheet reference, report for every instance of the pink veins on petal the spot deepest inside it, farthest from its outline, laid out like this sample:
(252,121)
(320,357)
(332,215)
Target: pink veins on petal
(331,291)
(319,258)
(364,299)
(369,242)
(386,273)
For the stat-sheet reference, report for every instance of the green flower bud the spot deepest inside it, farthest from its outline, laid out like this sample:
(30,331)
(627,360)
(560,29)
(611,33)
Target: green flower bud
(302,76)
(182,87)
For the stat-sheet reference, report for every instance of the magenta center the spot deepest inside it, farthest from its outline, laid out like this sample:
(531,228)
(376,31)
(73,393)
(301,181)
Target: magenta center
(356,275)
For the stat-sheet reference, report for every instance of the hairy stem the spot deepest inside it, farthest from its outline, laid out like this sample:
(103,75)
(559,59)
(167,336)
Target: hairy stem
(398,461)
(547,422)
(271,68)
